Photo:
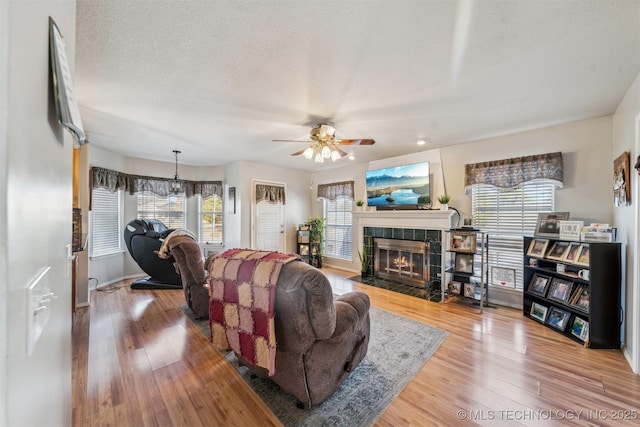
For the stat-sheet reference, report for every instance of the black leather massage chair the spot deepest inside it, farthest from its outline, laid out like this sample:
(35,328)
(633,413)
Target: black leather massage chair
(144,238)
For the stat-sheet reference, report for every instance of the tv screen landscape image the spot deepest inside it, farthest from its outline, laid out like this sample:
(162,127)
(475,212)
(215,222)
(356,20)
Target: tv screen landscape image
(398,186)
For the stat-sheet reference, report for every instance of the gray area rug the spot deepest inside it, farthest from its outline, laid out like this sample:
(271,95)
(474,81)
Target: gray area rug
(398,349)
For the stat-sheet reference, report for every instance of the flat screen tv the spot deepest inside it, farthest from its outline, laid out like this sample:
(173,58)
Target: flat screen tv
(404,186)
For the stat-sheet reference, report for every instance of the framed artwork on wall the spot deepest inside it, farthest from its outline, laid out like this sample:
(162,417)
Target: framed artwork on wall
(621,182)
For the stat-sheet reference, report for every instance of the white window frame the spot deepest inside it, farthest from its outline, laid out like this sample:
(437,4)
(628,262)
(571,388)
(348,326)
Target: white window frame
(106,222)
(346,211)
(507,215)
(201,214)
(153,214)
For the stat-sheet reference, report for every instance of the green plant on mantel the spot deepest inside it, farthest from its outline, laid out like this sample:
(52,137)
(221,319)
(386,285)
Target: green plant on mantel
(359,203)
(444,199)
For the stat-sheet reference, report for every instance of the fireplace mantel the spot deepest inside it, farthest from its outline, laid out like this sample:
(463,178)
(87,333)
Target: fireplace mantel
(425,219)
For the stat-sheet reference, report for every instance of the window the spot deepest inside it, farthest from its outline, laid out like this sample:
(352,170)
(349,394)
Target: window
(168,209)
(508,214)
(210,219)
(106,222)
(338,228)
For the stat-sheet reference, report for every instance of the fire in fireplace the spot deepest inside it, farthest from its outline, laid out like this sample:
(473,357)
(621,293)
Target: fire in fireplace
(402,260)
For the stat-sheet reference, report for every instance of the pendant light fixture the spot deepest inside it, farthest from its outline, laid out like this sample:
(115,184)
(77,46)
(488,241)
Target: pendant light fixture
(175,185)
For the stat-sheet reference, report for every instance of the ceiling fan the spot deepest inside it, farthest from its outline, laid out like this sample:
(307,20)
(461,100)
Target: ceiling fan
(324,144)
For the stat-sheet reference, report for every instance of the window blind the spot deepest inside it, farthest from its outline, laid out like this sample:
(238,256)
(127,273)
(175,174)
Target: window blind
(210,218)
(338,228)
(171,210)
(269,226)
(507,214)
(106,222)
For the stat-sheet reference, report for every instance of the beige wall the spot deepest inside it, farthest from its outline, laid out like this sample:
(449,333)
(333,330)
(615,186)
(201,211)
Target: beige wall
(626,137)
(586,154)
(237,227)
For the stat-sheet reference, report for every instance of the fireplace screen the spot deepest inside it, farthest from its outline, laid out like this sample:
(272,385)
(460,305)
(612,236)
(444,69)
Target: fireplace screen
(402,260)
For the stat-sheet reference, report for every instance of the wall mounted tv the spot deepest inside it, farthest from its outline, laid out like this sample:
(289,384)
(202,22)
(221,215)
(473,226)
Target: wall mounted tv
(400,187)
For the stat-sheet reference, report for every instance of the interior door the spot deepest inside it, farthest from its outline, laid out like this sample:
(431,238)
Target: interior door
(268,227)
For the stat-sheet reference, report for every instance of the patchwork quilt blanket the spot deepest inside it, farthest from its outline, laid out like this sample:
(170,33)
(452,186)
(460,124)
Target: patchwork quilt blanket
(242,289)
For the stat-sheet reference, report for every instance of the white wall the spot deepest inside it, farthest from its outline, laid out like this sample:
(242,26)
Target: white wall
(4,167)
(36,218)
(626,137)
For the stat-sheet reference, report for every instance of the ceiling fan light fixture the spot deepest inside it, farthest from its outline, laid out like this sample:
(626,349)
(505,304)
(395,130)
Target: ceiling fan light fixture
(319,158)
(326,151)
(335,155)
(308,153)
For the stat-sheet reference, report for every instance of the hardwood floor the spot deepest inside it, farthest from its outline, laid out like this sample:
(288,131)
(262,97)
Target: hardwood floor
(138,361)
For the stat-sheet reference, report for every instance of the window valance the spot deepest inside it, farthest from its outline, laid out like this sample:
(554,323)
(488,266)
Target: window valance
(270,193)
(509,173)
(114,180)
(336,189)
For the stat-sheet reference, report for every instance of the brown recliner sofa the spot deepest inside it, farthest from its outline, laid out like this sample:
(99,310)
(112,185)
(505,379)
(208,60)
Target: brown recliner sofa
(319,340)
(191,266)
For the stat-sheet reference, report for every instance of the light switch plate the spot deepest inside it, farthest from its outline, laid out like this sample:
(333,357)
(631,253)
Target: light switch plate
(39,300)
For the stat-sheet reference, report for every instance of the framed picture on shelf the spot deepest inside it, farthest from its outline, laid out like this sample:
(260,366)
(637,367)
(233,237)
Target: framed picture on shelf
(572,252)
(503,277)
(539,312)
(537,248)
(464,263)
(580,298)
(583,255)
(539,284)
(558,318)
(558,250)
(304,250)
(469,290)
(455,287)
(463,242)
(560,290)
(570,230)
(580,328)
(548,224)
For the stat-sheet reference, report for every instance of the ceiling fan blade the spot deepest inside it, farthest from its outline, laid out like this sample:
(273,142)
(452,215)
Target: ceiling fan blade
(355,141)
(290,140)
(297,153)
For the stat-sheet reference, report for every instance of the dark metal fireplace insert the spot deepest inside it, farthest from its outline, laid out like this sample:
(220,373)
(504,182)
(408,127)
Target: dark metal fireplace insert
(405,261)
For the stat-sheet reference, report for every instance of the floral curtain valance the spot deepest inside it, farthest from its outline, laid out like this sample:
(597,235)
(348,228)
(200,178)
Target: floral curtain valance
(114,180)
(336,189)
(509,173)
(270,193)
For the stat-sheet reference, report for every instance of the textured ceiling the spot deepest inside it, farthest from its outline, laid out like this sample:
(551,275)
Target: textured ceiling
(219,80)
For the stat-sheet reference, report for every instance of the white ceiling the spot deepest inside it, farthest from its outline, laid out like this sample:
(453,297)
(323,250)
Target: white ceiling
(219,80)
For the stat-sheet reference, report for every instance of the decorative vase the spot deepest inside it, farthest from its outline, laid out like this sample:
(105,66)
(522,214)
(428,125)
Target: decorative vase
(444,207)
